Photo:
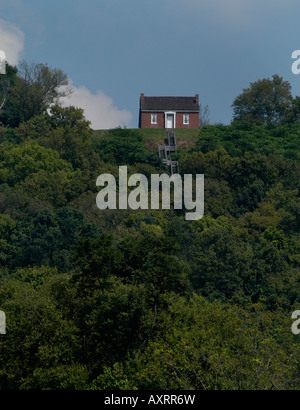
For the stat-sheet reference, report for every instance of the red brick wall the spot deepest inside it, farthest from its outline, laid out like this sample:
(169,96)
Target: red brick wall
(193,121)
(145,121)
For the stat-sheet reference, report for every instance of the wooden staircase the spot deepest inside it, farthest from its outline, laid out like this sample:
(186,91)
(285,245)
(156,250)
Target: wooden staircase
(165,149)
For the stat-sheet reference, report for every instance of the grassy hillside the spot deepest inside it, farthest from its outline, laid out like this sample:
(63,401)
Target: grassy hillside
(236,139)
(153,137)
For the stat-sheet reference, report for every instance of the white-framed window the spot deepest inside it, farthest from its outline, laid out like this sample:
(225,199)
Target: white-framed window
(153,118)
(186,118)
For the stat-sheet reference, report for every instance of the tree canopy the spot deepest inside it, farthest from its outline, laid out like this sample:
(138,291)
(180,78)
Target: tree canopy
(265,101)
(29,90)
(143,299)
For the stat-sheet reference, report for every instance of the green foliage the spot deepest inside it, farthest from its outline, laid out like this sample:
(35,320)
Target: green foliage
(39,341)
(24,160)
(48,238)
(123,299)
(97,259)
(278,140)
(153,261)
(32,89)
(110,320)
(265,101)
(112,378)
(207,346)
(123,146)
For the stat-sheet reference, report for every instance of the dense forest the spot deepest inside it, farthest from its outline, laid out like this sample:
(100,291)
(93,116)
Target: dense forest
(124,299)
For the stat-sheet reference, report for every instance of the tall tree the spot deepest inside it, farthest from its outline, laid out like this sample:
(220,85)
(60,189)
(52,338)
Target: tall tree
(34,89)
(265,101)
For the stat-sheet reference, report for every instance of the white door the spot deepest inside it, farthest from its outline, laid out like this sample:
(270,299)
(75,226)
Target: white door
(170,121)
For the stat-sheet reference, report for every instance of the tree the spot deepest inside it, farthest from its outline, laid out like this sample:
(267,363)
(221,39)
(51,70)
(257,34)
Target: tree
(69,117)
(124,146)
(26,159)
(213,346)
(294,113)
(96,259)
(40,350)
(34,89)
(265,101)
(153,261)
(204,116)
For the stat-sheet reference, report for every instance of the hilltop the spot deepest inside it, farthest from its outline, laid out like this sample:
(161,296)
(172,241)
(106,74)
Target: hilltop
(153,137)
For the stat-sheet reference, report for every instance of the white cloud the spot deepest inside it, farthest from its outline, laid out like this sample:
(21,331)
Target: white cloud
(11,41)
(98,108)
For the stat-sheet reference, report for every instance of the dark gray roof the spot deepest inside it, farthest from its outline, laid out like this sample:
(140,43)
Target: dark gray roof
(169,103)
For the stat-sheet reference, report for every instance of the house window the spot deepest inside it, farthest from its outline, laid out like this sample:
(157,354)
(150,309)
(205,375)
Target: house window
(186,118)
(153,118)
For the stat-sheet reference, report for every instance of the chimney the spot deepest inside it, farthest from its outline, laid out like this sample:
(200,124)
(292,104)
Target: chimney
(197,98)
(142,98)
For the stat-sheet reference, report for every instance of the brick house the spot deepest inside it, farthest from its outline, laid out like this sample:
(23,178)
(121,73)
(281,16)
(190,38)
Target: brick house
(169,112)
